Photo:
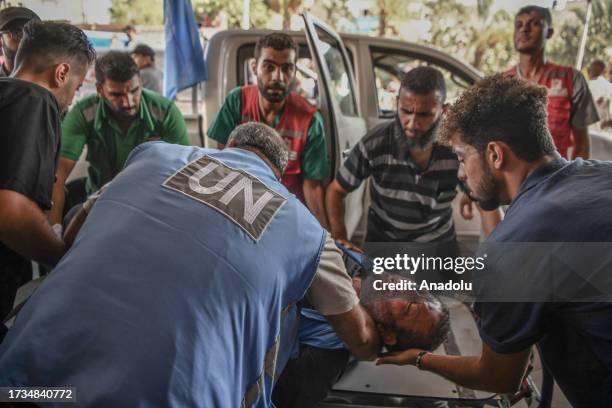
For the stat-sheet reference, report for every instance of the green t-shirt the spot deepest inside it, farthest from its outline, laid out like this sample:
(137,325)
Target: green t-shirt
(90,123)
(314,156)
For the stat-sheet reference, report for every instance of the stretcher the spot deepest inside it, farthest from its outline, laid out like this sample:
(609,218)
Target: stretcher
(363,384)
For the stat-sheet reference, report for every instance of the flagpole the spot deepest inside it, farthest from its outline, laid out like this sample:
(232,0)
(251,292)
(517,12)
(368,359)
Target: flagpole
(585,33)
(246,14)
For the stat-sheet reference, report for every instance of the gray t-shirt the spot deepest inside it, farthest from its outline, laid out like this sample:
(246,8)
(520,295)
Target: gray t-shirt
(152,79)
(584,110)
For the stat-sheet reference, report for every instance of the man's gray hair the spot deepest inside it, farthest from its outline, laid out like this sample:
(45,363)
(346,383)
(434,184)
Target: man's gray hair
(263,138)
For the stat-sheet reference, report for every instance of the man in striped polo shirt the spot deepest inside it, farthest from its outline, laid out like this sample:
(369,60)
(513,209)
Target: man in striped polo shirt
(414,179)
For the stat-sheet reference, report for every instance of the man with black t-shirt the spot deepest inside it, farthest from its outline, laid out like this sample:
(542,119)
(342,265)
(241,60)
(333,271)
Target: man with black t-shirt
(49,68)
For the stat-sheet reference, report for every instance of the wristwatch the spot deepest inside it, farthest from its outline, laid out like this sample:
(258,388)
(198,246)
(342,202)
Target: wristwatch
(419,360)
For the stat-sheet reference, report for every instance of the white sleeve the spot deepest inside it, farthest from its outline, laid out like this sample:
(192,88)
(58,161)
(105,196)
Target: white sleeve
(331,291)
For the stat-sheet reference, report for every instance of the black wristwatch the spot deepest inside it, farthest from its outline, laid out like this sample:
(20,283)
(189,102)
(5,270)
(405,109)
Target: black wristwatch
(419,360)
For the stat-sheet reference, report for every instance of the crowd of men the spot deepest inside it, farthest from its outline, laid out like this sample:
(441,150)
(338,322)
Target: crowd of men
(214,277)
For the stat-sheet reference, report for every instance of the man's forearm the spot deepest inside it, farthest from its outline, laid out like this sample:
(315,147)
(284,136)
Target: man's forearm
(581,143)
(334,201)
(57,210)
(358,332)
(26,230)
(314,196)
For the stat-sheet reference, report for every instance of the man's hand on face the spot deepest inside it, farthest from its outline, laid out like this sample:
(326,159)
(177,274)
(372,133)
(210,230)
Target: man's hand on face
(399,357)
(466,207)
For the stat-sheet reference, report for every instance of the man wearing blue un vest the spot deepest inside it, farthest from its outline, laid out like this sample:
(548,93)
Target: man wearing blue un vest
(181,287)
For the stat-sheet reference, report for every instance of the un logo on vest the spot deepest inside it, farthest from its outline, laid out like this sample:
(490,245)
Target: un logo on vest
(236,194)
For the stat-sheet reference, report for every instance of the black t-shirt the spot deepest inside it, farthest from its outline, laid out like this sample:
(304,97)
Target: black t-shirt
(29,144)
(562,202)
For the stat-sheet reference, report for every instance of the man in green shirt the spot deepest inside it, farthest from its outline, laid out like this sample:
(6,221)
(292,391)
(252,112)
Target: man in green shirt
(111,123)
(298,122)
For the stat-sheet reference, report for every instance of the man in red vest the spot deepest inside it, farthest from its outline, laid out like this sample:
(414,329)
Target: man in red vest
(273,102)
(570,105)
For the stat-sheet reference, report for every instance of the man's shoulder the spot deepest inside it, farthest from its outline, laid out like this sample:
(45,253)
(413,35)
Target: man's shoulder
(302,104)
(553,65)
(87,107)
(236,93)
(562,195)
(155,99)
(151,69)
(379,133)
(18,92)
(559,71)
(87,102)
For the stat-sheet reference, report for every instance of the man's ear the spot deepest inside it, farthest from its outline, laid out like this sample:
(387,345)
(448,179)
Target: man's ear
(495,154)
(231,143)
(550,32)
(61,74)
(387,335)
(254,66)
(99,89)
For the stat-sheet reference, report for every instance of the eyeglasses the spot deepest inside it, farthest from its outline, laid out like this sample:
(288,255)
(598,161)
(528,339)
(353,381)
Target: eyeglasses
(14,34)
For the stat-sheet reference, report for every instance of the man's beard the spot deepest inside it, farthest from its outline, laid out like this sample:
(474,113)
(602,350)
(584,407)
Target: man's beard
(487,190)
(273,97)
(426,139)
(122,113)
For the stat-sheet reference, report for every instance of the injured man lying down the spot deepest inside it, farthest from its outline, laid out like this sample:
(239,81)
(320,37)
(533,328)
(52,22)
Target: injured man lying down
(405,319)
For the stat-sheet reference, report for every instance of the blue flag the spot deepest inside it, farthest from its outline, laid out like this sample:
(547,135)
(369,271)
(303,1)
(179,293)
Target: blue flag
(184,61)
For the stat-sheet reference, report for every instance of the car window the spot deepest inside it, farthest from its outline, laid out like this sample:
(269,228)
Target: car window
(390,64)
(341,88)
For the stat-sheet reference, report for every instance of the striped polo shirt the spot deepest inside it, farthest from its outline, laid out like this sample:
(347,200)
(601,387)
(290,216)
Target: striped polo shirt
(409,204)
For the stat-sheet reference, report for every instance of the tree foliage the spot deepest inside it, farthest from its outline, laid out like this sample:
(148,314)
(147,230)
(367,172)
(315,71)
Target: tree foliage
(563,47)
(471,32)
(260,12)
(137,12)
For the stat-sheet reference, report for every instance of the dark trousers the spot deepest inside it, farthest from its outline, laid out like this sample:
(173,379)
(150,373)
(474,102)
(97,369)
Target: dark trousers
(306,380)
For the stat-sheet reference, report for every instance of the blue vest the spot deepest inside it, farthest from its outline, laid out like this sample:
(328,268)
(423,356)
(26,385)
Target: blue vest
(315,330)
(167,299)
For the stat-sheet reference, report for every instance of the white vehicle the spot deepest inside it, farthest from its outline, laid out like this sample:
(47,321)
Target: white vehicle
(352,79)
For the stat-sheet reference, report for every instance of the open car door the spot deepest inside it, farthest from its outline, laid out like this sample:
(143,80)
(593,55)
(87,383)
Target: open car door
(339,99)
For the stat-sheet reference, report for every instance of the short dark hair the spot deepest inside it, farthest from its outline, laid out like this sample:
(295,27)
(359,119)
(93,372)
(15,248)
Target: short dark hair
(598,64)
(544,12)
(117,66)
(278,41)
(501,108)
(44,43)
(144,49)
(423,81)
(262,137)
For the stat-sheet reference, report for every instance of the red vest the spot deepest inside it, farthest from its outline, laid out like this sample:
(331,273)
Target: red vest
(559,82)
(293,128)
